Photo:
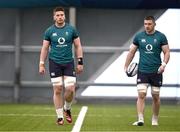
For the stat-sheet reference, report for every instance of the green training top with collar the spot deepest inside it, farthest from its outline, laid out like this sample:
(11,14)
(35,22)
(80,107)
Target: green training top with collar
(149,46)
(61,41)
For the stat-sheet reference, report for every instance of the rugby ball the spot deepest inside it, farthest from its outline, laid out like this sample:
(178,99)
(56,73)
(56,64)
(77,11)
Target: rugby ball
(132,69)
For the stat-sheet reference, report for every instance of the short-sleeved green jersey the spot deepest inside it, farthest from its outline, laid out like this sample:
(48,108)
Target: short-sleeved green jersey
(149,46)
(61,41)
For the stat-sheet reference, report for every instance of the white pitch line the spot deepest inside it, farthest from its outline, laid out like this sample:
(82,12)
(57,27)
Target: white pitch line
(79,121)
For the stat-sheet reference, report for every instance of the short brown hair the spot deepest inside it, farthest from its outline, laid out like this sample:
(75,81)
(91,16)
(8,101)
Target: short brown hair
(150,18)
(58,9)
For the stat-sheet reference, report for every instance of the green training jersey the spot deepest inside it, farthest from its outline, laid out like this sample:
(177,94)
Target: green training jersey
(149,46)
(61,41)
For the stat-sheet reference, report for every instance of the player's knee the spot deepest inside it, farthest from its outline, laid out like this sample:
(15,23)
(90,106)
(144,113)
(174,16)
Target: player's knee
(69,82)
(70,88)
(57,90)
(141,95)
(155,97)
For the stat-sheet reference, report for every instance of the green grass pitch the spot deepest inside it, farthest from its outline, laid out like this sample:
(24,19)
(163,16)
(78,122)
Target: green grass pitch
(30,117)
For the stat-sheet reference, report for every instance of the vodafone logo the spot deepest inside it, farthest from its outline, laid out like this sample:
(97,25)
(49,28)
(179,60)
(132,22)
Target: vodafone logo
(61,40)
(149,47)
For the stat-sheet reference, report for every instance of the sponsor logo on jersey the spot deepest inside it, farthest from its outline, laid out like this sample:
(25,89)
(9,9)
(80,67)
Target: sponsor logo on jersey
(149,49)
(61,40)
(143,40)
(54,34)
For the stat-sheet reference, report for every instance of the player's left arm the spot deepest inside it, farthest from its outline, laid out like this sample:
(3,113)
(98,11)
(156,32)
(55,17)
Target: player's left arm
(166,52)
(79,54)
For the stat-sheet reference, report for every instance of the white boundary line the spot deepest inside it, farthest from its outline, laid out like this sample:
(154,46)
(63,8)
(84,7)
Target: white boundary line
(80,118)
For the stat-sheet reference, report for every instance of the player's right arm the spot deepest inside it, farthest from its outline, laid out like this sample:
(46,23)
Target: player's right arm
(43,56)
(130,56)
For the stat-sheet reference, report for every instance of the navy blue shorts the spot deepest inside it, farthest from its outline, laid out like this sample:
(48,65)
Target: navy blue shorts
(57,70)
(154,79)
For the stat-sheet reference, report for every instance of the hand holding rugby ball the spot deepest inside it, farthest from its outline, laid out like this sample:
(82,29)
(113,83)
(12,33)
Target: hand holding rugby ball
(132,69)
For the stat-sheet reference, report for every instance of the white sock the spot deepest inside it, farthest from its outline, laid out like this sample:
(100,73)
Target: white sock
(140,117)
(67,105)
(59,112)
(154,117)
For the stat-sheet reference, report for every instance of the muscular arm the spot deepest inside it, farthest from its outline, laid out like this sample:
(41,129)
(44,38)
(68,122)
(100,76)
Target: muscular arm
(79,54)
(44,50)
(78,48)
(43,56)
(130,56)
(166,51)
